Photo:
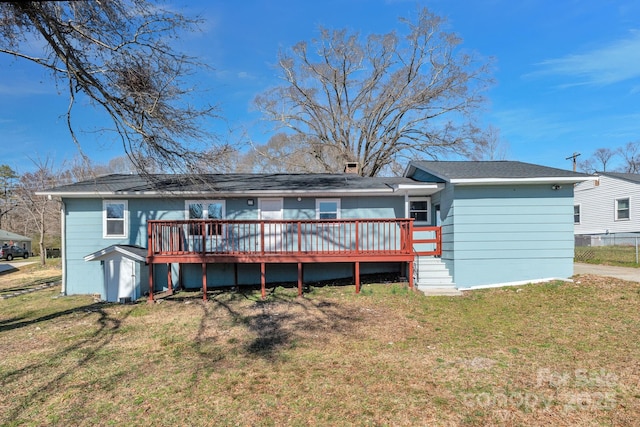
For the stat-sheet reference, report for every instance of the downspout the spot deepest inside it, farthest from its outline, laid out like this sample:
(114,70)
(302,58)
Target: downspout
(63,246)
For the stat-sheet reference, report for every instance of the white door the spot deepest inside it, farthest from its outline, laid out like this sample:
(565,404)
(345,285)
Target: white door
(270,210)
(119,278)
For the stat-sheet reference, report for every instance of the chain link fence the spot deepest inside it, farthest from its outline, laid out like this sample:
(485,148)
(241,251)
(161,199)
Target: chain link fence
(620,248)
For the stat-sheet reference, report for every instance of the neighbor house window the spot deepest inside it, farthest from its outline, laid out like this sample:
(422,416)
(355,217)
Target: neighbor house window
(115,215)
(622,209)
(327,208)
(205,209)
(419,208)
(576,214)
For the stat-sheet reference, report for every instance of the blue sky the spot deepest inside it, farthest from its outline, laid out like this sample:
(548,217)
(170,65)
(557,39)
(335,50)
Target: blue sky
(567,72)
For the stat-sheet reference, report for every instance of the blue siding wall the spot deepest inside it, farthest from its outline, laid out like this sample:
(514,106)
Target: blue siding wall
(507,234)
(84,236)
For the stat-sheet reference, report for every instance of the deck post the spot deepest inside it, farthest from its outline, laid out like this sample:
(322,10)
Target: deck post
(150,300)
(263,280)
(169,279)
(299,279)
(235,276)
(356,276)
(410,274)
(204,281)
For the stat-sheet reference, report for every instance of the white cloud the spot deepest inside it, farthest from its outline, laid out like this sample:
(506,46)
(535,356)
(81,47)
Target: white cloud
(616,62)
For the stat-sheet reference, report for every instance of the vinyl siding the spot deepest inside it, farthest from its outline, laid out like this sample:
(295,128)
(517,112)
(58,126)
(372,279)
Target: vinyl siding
(508,234)
(84,236)
(597,206)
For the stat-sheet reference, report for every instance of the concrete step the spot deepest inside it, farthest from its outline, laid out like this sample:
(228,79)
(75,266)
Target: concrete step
(442,290)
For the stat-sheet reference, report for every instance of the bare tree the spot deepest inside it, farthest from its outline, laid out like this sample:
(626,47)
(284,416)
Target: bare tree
(118,54)
(630,153)
(44,214)
(492,146)
(599,160)
(378,99)
(8,178)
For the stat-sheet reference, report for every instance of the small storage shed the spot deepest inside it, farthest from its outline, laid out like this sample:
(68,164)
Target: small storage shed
(124,278)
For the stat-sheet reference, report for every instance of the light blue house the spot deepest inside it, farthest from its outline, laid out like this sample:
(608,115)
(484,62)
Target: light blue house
(447,224)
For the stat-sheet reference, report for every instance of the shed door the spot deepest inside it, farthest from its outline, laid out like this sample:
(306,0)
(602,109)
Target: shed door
(270,210)
(119,278)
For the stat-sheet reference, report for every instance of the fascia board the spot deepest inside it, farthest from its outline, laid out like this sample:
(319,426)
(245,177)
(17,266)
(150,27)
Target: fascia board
(253,193)
(503,181)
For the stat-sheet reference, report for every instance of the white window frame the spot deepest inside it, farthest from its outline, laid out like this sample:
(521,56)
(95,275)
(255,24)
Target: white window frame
(280,201)
(579,206)
(617,209)
(125,219)
(420,199)
(336,201)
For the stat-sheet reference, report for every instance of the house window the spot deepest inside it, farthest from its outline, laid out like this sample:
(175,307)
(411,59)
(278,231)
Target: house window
(576,214)
(419,209)
(327,208)
(622,209)
(205,209)
(114,223)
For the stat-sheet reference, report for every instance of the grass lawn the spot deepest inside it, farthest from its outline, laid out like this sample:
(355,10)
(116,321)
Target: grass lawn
(624,256)
(549,354)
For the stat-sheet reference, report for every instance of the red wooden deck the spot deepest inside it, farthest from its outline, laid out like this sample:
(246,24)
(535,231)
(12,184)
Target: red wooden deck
(284,241)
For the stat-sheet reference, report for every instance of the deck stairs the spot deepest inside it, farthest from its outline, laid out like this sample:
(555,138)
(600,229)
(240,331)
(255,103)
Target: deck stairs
(433,278)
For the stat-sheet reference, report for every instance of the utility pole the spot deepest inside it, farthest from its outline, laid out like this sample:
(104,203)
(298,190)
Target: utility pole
(574,157)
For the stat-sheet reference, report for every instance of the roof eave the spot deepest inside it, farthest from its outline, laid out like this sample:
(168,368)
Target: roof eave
(515,181)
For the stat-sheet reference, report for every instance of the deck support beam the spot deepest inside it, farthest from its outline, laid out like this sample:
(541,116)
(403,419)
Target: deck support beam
(356,276)
(169,279)
(204,281)
(300,278)
(410,274)
(263,280)
(150,300)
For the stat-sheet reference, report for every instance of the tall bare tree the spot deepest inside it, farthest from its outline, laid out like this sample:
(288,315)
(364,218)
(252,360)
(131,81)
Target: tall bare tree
(8,178)
(118,53)
(492,147)
(599,161)
(630,153)
(377,99)
(44,214)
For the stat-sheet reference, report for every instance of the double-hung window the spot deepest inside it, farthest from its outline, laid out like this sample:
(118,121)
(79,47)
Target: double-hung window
(419,208)
(115,219)
(576,214)
(622,209)
(327,208)
(205,209)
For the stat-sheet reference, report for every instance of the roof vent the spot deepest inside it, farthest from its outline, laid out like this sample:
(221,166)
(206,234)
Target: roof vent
(351,167)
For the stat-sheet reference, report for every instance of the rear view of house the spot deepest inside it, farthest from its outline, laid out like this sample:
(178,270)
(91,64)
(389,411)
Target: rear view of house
(444,225)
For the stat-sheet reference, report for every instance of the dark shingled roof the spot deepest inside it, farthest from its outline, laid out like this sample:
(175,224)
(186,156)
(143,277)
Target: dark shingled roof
(229,183)
(633,177)
(451,170)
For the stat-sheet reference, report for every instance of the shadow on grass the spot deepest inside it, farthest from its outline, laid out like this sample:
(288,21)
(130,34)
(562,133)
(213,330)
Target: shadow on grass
(275,324)
(88,348)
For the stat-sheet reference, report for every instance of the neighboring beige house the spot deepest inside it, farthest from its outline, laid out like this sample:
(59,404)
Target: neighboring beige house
(9,238)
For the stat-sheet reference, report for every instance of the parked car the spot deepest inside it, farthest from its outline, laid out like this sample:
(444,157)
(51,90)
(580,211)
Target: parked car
(11,252)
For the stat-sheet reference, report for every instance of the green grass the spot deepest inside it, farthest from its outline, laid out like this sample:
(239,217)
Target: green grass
(624,256)
(549,354)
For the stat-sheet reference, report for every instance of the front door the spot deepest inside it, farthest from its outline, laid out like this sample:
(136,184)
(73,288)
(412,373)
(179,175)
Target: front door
(271,210)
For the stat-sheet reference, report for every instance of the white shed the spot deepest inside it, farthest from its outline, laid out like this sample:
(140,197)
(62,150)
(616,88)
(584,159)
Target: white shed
(124,277)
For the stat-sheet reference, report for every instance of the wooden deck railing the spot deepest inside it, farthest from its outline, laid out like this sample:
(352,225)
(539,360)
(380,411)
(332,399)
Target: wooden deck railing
(345,237)
(287,241)
(424,244)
